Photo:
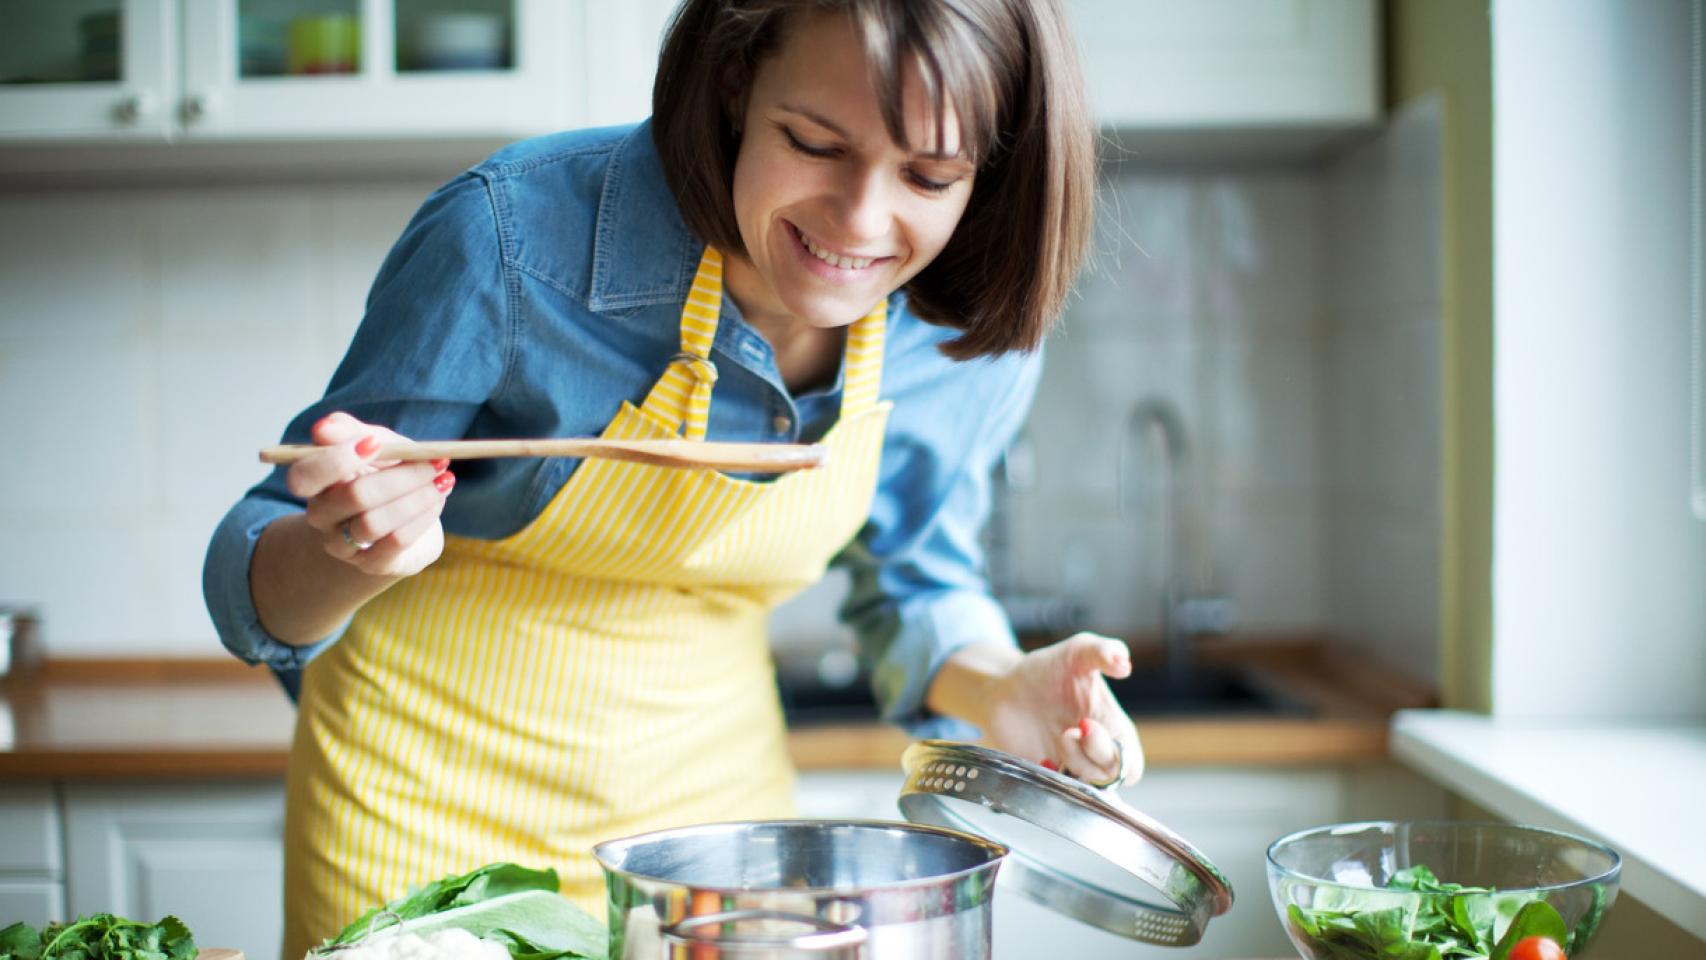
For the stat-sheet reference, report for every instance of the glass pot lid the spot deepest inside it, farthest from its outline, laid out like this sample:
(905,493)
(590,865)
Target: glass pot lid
(1076,849)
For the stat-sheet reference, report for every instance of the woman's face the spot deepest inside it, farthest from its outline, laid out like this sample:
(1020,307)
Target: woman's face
(836,216)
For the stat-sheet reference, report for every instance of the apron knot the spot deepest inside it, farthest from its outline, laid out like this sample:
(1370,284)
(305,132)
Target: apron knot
(702,369)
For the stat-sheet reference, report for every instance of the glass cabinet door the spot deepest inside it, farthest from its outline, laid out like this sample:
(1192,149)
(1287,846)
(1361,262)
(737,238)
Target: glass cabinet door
(85,69)
(257,69)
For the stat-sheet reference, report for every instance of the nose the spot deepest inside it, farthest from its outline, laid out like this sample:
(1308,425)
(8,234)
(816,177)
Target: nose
(866,207)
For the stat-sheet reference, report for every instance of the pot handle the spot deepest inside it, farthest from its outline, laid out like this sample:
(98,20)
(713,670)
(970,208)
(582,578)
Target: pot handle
(826,940)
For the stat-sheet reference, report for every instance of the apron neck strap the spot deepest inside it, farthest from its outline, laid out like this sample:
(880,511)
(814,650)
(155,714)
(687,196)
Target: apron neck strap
(682,396)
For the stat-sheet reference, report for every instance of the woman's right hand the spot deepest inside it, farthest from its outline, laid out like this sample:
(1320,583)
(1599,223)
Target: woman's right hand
(381,517)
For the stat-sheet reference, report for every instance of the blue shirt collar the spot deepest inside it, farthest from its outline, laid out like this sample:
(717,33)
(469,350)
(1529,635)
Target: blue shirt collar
(642,252)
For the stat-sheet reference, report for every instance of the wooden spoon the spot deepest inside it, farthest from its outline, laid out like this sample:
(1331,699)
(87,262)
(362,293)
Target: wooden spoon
(686,454)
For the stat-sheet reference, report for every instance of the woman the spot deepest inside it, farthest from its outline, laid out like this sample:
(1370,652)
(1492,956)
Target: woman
(848,222)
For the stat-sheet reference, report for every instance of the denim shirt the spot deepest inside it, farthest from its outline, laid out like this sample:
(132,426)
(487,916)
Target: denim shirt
(534,293)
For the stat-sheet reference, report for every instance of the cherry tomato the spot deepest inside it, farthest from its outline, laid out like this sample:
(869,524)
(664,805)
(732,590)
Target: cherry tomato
(1537,948)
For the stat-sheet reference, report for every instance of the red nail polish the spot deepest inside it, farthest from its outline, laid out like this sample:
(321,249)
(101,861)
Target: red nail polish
(439,466)
(367,446)
(444,481)
(1084,728)
(1050,764)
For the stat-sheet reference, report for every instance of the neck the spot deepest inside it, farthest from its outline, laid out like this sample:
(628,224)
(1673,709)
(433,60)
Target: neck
(806,356)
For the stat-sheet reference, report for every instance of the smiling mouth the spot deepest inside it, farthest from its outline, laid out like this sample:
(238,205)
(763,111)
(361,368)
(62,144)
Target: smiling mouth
(838,261)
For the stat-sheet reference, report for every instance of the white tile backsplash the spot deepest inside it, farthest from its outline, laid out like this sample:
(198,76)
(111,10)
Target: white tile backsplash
(150,342)
(75,268)
(238,265)
(1261,238)
(1294,321)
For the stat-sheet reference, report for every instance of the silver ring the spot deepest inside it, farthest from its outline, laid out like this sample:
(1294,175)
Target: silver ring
(361,545)
(1119,774)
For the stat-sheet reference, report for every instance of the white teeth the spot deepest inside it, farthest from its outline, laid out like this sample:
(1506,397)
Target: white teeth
(834,260)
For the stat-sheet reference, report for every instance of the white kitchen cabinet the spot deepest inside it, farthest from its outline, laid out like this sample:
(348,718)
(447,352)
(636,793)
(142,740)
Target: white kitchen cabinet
(208,853)
(32,864)
(247,70)
(35,902)
(58,82)
(1230,64)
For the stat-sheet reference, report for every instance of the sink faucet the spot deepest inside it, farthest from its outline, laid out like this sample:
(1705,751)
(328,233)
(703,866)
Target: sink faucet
(1157,422)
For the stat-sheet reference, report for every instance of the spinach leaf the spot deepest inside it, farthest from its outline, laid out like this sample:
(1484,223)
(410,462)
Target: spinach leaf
(1447,921)
(521,948)
(490,881)
(1537,919)
(1589,923)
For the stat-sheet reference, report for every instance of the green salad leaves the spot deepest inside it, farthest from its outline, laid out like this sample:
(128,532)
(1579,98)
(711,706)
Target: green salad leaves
(1448,922)
(100,936)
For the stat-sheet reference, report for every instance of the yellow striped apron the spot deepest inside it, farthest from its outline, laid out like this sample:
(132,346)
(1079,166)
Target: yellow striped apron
(601,673)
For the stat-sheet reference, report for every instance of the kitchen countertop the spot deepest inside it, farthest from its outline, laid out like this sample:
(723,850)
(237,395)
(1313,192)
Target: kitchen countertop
(1635,785)
(167,719)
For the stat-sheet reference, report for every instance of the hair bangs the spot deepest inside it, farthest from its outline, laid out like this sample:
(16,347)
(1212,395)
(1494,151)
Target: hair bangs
(962,84)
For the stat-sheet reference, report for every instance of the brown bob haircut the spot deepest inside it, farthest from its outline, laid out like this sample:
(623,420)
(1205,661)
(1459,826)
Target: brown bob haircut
(1010,70)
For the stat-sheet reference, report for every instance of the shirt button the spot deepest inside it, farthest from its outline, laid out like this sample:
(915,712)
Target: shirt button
(781,423)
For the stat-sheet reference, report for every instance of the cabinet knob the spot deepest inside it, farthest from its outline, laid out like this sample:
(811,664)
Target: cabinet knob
(134,107)
(197,106)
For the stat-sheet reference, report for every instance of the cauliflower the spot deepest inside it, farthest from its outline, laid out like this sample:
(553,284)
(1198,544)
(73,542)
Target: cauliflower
(447,944)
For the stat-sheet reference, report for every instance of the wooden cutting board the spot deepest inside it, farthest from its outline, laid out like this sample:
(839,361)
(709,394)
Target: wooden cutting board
(218,953)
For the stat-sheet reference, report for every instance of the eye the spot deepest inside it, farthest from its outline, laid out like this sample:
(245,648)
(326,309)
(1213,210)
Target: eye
(927,184)
(809,150)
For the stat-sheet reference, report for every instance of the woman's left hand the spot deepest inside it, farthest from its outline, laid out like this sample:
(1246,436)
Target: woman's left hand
(1053,705)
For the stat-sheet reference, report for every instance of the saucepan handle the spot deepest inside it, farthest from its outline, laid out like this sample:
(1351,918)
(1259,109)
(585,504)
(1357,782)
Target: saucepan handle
(704,936)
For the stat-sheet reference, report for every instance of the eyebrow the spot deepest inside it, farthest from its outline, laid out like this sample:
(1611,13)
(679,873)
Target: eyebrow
(841,132)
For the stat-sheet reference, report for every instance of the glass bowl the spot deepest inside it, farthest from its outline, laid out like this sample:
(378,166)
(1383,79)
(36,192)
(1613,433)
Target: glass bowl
(1353,890)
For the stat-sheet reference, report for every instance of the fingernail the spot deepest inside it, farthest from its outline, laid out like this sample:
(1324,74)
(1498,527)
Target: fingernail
(367,446)
(1050,764)
(444,481)
(1084,728)
(439,466)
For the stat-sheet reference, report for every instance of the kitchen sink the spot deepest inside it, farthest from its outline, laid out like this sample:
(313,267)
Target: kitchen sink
(1202,690)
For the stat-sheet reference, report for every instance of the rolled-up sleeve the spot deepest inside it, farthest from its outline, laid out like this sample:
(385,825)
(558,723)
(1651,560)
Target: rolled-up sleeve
(431,348)
(918,590)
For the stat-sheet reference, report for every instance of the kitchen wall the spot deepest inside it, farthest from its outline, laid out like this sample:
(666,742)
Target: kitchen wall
(152,339)
(1600,559)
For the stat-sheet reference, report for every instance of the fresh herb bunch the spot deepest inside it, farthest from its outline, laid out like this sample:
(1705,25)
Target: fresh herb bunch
(101,936)
(1448,922)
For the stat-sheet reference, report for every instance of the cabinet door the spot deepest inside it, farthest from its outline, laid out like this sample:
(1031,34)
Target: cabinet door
(86,69)
(210,854)
(35,902)
(29,830)
(1229,63)
(304,69)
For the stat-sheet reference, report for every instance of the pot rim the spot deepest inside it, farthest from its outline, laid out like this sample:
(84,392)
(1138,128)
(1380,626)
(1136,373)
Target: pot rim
(998,852)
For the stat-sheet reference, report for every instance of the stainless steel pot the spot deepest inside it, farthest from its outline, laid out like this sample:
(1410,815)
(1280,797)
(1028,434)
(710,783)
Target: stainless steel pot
(800,890)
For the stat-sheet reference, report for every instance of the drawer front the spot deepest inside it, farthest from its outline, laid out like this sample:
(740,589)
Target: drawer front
(30,837)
